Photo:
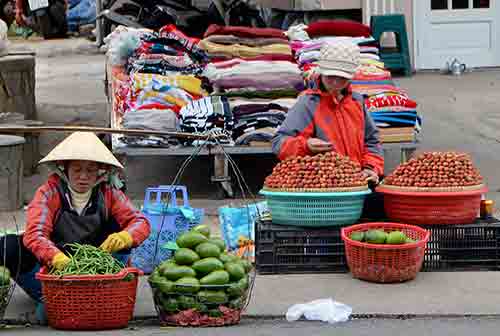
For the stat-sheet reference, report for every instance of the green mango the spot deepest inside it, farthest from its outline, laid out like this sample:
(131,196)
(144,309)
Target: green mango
(203,229)
(176,272)
(212,297)
(247,265)
(215,278)
(208,250)
(358,236)
(185,256)
(219,242)
(235,270)
(170,305)
(191,239)
(165,286)
(396,238)
(207,265)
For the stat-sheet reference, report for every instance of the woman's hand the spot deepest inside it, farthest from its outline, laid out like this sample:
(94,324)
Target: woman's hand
(117,242)
(20,18)
(370,176)
(316,146)
(60,261)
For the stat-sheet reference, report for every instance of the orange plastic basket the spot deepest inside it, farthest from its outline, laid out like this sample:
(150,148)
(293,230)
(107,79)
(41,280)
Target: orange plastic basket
(385,263)
(423,208)
(97,302)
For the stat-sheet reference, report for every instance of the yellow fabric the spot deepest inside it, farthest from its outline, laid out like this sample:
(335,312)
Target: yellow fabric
(188,83)
(60,260)
(239,50)
(117,242)
(167,98)
(372,62)
(79,200)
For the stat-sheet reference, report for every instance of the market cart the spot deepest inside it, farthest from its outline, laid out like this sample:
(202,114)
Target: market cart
(395,153)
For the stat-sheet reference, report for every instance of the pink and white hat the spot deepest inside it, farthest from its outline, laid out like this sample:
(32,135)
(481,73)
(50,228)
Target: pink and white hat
(339,59)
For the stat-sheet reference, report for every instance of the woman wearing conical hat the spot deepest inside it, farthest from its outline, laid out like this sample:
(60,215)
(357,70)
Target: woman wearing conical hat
(79,203)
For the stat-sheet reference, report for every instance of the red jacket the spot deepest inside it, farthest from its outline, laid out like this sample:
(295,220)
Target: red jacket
(43,210)
(345,124)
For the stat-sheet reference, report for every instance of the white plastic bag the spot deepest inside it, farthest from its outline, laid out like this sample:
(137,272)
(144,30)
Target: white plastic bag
(4,41)
(325,310)
(122,43)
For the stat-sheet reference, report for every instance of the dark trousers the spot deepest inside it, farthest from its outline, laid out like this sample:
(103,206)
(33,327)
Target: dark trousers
(374,206)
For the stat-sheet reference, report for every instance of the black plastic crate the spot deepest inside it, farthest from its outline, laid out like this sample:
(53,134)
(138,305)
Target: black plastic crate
(288,249)
(283,249)
(471,247)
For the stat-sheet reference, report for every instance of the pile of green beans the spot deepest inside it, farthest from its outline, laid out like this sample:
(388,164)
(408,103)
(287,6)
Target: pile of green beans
(89,260)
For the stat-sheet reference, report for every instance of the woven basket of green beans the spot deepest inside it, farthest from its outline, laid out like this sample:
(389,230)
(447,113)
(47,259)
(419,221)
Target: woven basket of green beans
(88,260)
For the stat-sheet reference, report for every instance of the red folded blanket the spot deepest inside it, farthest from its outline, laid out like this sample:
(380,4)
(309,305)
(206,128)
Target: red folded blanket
(388,101)
(244,31)
(338,28)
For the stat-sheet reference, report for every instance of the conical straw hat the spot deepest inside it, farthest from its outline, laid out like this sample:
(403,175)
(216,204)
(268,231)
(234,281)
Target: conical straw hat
(82,146)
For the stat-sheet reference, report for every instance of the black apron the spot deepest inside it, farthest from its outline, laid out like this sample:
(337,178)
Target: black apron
(92,227)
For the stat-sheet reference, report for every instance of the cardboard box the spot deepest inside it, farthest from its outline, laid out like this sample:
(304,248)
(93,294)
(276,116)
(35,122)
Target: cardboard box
(310,5)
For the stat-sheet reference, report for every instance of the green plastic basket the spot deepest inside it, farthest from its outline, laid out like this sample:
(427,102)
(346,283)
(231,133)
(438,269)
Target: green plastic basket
(315,209)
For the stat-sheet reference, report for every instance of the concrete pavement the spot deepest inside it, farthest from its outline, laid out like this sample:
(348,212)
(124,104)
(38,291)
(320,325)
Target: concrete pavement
(358,327)
(430,294)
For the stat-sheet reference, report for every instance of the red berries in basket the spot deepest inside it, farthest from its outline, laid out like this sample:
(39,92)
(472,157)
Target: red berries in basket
(322,171)
(436,170)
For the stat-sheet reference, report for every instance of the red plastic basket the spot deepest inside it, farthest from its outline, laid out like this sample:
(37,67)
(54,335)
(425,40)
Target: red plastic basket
(385,263)
(424,208)
(90,302)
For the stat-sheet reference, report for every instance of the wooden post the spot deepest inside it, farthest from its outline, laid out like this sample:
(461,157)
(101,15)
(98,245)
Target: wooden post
(221,174)
(11,172)
(17,81)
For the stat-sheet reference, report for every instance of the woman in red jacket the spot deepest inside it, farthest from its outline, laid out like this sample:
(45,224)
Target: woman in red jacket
(331,118)
(80,203)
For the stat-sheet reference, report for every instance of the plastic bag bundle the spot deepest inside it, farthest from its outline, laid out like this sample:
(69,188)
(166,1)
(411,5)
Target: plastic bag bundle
(122,43)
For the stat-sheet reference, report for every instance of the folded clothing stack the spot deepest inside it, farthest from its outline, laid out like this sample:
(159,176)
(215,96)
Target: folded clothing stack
(163,72)
(394,113)
(257,123)
(392,110)
(306,50)
(163,76)
(207,114)
(252,67)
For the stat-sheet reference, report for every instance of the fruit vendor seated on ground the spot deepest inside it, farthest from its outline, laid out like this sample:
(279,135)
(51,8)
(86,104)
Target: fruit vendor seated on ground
(79,203)
(332,118)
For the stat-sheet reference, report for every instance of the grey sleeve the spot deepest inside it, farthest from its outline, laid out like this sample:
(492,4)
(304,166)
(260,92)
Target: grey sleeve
(298,118)
(372,135)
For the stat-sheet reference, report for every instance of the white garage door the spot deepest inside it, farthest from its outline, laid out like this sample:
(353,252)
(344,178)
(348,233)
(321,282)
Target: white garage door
(463,29)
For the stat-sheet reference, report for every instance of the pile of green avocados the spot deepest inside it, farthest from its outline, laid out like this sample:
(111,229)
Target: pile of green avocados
(202,275)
